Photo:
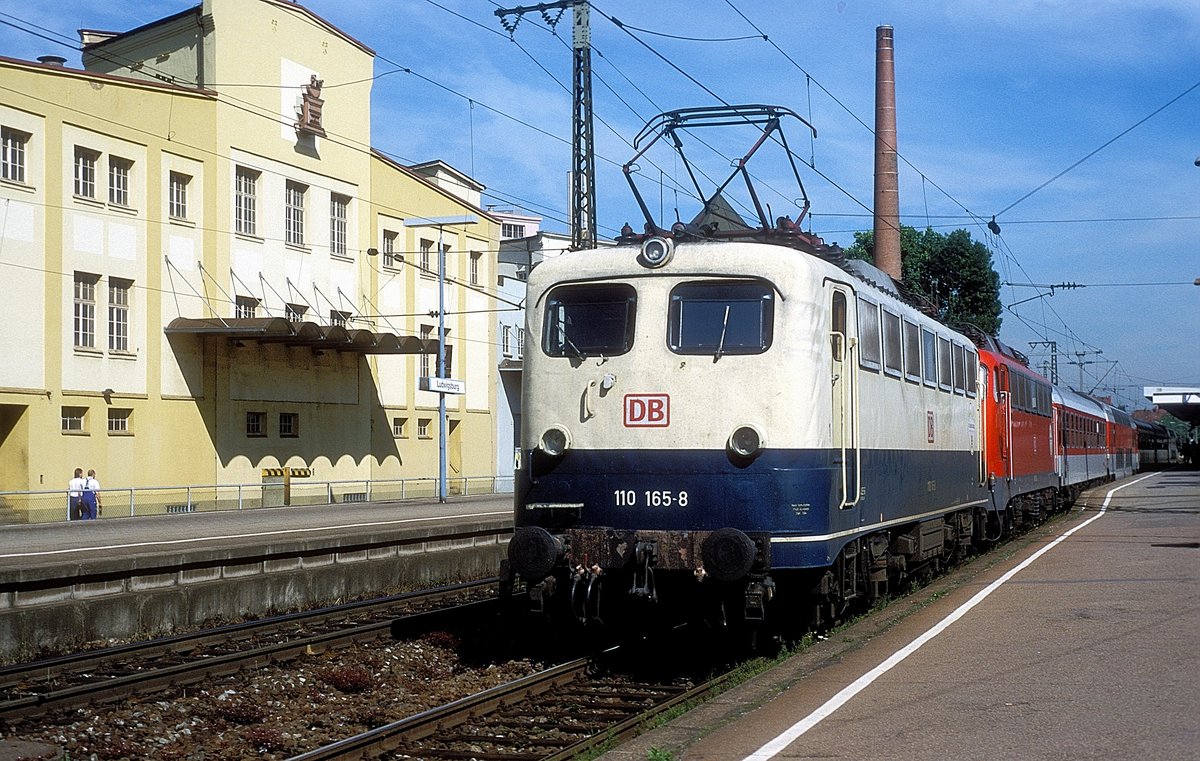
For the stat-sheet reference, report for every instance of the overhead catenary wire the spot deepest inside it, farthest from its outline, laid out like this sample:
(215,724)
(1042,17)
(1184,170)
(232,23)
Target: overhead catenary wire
(1104,145)
(255,110)
(1002,255)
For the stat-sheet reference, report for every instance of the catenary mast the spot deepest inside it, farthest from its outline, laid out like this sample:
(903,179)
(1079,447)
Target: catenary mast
(583,154)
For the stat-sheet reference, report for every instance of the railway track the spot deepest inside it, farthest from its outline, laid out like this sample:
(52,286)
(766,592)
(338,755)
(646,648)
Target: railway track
(114,673)
(556,714)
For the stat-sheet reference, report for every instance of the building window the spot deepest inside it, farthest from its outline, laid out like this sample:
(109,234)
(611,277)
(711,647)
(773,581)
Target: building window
(85,310)
(295,312)
(256,424)
(510,230)
(505,343)
(389,249)
(338,318)
(245,307)
(400,427)
(293,214)
(475,257)
(85,172)
(289,425)
(245,201)
(520,342)
(338,209)
(12,154)
(426,334)
(118,314)
(118,420)
(118,181)
(73,419)
(177,195)
(423,427)
(426,251)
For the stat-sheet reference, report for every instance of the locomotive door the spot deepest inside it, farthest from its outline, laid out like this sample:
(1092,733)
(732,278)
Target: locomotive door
(845,403)
(981,392)
(1005,420)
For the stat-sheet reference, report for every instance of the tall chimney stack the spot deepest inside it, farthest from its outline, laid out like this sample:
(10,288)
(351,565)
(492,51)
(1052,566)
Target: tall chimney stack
(887,175)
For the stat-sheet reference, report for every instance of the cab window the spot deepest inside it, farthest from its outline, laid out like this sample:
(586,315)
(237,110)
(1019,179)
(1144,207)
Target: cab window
(718,318)
(589,320)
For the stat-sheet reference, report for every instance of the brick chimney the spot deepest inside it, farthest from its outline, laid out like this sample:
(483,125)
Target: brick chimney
(887,175)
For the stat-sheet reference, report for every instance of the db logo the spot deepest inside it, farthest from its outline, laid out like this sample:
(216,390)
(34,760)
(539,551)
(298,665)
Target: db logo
(647,410)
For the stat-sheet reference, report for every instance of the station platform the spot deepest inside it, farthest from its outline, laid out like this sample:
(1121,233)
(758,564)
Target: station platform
(1076,641)
(68,583)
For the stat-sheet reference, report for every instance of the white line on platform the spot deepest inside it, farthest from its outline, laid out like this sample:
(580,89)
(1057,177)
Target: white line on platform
(777,745)
(277,532)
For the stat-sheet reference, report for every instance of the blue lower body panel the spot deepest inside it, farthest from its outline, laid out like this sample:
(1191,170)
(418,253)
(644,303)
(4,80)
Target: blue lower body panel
(794,497)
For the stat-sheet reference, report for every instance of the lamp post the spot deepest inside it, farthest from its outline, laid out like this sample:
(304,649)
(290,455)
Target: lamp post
(442,388)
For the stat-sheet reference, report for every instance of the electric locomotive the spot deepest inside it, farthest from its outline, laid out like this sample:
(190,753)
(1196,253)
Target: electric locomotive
(1018,421)
(735,420)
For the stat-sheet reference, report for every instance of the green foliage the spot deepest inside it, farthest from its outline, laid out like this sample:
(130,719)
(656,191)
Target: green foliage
(658,754)
(952,272)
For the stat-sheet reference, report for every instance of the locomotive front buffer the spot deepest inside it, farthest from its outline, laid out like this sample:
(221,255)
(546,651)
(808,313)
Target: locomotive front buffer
(578,562)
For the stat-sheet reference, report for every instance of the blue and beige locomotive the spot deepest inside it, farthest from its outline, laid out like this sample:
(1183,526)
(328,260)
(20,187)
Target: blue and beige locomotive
(736,421)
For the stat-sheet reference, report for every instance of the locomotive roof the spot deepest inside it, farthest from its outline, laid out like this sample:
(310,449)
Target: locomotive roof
(750,258)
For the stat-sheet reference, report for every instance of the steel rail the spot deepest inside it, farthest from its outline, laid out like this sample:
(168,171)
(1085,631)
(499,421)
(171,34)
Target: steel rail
(612,724)
(101,684)
(417,726)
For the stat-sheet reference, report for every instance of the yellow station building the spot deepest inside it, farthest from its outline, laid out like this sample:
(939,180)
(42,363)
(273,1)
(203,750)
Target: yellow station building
(208,272)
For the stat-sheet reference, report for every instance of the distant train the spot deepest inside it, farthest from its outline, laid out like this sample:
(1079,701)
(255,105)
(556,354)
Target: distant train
(1157,445)
(747,426)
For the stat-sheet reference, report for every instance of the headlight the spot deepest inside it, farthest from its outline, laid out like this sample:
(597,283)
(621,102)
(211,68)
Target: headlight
(657,251)
(555,441)
(746,441)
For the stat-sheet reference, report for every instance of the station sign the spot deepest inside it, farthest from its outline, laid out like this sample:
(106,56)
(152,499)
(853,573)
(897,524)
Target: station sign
(443,385)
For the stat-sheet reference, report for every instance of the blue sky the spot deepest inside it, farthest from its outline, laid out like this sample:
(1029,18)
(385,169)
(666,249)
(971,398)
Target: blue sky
(993,100)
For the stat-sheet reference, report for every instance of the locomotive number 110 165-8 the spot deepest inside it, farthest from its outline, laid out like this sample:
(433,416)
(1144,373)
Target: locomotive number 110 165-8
(649,498)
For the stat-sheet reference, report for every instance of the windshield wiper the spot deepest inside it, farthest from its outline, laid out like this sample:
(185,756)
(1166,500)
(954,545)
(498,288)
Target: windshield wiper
(724,328)
(571,345)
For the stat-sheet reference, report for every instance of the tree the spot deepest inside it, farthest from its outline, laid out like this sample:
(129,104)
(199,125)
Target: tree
(952,272)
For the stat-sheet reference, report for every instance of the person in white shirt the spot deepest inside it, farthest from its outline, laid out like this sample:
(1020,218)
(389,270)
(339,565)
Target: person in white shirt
(74,494)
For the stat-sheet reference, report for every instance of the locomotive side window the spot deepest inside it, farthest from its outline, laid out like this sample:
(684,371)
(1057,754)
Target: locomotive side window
(868,334)
(721,318)
(912,351)
(929,346)
(945,379)
(838,336)
(892,353)
(972,372)
(960,372)
(589,320)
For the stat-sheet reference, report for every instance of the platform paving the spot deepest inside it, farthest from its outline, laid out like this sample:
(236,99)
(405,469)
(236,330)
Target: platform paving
(1087,651)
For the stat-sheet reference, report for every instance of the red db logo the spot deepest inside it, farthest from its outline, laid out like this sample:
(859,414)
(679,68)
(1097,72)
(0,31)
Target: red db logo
(647,410)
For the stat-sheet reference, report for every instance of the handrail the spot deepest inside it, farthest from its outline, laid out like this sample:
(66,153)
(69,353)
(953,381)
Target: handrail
(51,505)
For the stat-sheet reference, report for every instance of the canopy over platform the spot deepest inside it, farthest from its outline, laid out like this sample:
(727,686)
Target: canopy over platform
(288,333)
(1183,403)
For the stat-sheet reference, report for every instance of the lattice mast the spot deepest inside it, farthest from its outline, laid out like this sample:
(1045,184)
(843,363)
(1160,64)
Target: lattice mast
(583,154)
